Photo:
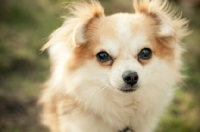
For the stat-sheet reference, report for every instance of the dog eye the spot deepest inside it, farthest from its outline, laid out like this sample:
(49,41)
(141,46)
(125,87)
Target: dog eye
(145,54)
(103,56)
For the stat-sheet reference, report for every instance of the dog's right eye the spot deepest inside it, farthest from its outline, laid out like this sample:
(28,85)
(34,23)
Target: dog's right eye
(103,57)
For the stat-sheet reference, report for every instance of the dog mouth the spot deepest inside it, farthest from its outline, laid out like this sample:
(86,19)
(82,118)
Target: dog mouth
(129,89)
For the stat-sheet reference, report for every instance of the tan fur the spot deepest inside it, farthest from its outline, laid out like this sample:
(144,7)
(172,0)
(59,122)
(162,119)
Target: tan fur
(74,100)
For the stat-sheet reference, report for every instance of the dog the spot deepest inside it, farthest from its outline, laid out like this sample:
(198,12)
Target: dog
(114,73)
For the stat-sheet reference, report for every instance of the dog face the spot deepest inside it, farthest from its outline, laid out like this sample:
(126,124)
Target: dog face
(122,52)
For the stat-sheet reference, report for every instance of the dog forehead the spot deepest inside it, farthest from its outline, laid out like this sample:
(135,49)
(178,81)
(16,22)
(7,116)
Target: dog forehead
(123,29)
(126,33)
(129,27)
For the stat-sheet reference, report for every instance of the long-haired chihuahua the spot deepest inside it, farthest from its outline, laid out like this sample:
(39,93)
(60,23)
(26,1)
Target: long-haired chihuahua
(113,73)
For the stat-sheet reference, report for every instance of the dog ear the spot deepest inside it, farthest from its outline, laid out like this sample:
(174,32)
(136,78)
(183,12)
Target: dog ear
(84,14)
(78,36)
(72,32)
(169,24)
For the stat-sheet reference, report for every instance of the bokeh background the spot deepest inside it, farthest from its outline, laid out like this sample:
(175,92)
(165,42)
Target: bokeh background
(25,26)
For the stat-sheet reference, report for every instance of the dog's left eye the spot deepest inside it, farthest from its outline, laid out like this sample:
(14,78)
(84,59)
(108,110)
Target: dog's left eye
(103,56)
(145,54)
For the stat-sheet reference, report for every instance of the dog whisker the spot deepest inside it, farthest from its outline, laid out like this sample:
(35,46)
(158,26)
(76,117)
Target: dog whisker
(96,90)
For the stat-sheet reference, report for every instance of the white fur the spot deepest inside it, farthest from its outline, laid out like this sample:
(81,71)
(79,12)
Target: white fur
(123,29)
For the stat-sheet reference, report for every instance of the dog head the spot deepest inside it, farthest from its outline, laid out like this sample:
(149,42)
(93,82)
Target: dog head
(122,52)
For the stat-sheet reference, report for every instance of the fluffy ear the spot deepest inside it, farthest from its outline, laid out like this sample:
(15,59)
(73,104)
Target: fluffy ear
(72,32)
(169,24)
(84,14)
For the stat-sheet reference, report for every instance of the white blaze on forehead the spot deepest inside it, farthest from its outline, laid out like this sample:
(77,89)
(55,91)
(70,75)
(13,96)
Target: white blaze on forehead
(123,29)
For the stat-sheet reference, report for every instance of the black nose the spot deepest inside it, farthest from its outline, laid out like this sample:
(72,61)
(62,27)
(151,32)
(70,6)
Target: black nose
(130,77)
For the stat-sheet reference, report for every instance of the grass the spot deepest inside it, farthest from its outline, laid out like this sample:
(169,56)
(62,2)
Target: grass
(25,26)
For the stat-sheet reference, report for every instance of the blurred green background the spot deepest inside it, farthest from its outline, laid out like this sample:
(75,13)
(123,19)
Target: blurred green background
(25,26)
